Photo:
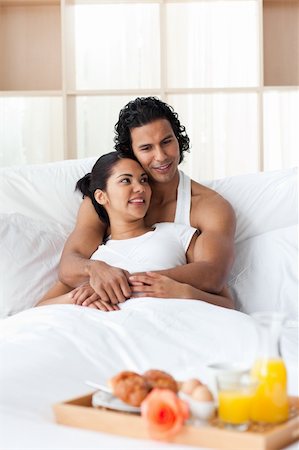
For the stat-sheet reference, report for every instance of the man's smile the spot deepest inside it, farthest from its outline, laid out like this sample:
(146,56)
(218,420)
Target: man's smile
(162,167)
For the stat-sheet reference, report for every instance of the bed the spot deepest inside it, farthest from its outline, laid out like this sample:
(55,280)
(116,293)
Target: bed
(47,353)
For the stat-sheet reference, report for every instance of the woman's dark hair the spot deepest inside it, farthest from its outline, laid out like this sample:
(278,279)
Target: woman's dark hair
(142,111)
(97,179)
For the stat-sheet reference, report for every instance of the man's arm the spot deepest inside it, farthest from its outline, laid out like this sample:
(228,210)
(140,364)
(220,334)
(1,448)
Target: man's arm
(75,267)
(214,249)
(87,235)
(157,285)
(211,255)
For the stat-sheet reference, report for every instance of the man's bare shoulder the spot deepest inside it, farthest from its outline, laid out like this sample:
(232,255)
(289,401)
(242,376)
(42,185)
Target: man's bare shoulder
(209,207)
(201,193)
(88,233)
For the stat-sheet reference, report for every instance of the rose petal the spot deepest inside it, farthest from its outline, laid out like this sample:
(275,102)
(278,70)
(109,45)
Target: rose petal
(184,409)
(164,413)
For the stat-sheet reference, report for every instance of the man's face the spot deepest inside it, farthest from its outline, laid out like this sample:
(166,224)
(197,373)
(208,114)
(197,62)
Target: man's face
(157,149)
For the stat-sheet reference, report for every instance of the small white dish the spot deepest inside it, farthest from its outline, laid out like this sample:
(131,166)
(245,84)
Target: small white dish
(108,400)
(199,410)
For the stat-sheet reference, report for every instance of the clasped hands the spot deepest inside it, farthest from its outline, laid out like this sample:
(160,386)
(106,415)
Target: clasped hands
(107,288)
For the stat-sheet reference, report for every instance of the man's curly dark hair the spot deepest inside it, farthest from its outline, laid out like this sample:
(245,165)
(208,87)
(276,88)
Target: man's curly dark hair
(142,111)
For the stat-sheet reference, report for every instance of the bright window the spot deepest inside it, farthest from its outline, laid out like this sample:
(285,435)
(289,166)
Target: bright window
(206,58)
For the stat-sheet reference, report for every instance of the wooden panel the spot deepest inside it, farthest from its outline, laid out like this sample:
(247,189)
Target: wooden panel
(281,43)
(280,1)
(30,48)
(28,2)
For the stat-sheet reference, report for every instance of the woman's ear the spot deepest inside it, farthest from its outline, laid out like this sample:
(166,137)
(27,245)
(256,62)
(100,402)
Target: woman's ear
(100,197)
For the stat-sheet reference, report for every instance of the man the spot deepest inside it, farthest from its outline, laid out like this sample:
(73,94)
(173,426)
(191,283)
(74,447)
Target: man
(150,129)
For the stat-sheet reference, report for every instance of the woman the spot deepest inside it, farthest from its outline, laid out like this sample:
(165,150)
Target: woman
(119,189)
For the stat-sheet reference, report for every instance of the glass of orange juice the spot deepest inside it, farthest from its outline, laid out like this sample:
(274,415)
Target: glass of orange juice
(235,394)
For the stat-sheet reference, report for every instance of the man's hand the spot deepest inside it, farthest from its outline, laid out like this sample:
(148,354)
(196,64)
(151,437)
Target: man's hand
(152,284)
(110,283)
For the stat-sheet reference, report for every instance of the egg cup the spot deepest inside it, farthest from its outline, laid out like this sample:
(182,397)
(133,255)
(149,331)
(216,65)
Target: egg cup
(200,411)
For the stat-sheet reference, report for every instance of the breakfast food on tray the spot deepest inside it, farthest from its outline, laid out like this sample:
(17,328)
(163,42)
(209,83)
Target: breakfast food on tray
(202,394)
(197,390)
(199,398)
(188,386)
(130,387)
(161,380)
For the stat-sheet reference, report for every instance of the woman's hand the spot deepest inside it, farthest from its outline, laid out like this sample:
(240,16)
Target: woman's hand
(152,284)
(86,296)
(84,292)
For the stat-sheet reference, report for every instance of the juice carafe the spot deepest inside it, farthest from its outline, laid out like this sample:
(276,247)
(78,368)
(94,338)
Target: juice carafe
(270,402)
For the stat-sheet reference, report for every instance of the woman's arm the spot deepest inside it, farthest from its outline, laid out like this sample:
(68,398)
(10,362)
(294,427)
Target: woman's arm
(60,293)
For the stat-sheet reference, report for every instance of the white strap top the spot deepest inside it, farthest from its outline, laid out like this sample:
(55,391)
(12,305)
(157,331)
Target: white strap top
(182,214)
(163,248)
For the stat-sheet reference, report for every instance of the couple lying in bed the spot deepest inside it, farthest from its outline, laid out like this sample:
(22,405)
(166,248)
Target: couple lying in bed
(119,190)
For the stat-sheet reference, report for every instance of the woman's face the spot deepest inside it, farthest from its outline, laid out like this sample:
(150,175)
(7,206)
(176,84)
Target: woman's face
(127,193)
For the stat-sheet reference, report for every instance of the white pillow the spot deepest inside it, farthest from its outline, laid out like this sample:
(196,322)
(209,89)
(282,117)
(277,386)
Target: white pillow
(262,201)
(29,255)
(44,191)
(264,275)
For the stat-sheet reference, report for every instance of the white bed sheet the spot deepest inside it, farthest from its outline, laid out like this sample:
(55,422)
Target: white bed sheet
(46,353)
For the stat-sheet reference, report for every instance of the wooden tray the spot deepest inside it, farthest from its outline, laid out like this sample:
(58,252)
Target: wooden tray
(80,413)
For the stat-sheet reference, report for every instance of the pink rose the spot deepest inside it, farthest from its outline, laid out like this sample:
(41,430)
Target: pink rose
(164,413)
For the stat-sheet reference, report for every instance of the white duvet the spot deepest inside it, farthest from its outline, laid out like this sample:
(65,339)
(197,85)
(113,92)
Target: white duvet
(47,353)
